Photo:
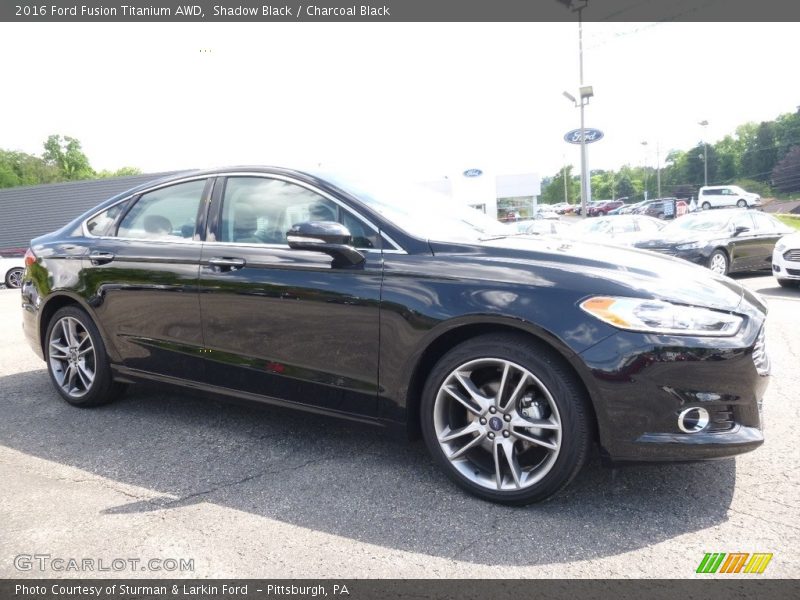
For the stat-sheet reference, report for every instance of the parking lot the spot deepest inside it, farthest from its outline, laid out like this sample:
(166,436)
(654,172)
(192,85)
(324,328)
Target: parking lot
(251,492)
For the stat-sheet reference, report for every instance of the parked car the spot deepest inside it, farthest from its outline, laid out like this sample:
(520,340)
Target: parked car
(627,209)
(622,230)
(603,208)
(544,211)
(660,208)
(786,260)
(397,307)
(718,196)
(723,240)
(547,227)
(589,205)
(11,271)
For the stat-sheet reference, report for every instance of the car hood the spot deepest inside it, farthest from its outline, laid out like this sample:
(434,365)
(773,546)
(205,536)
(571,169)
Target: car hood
(605,270)
(672,238)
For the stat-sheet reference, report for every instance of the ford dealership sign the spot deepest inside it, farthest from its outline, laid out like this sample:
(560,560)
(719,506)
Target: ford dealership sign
(574,136)
(473,173)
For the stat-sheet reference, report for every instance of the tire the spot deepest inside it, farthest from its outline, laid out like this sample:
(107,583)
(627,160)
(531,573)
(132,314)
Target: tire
(470,429)
(661,216)
(742,203)
(77,361)
(13,278)
(788,283)
(705,206)
(718,262)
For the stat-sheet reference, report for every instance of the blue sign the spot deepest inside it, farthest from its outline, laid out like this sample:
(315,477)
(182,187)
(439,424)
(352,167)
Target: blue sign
(473,173)
(591,135)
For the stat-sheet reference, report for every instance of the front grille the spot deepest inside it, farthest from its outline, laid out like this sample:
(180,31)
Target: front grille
(793,255)
(720,419)
(795,272)
(760,358)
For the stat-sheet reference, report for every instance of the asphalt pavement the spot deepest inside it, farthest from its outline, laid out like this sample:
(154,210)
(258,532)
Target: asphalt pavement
(240,491)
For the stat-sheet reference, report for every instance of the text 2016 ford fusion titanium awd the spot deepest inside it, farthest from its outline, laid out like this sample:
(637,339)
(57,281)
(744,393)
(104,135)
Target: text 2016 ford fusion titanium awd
(511,355)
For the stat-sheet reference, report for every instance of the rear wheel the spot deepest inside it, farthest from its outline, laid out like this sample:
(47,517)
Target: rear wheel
(506,419)
(14,277)
(718,262)
(77,360)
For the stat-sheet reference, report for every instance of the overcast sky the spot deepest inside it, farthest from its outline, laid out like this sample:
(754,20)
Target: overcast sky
(425,98)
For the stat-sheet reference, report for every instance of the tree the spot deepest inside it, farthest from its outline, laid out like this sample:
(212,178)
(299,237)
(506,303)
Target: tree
(786,174)
(553,187)
(65,154)
(121,172)
(761,153)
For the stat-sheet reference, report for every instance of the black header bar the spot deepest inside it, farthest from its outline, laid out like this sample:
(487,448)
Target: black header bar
(398,10)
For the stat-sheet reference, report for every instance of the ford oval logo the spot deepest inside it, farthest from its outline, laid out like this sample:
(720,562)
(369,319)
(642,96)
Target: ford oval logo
(591,135)
(473,173)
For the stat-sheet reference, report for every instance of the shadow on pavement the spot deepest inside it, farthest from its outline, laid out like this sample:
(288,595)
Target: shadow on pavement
(348,480)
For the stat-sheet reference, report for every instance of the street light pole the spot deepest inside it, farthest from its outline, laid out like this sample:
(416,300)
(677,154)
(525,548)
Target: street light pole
(658,170)
(586,184)
(704,124)
(644,163)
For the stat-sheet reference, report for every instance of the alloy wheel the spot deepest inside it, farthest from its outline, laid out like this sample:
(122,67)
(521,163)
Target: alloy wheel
(15,278)
(718,263)
(497,424)
(72,358)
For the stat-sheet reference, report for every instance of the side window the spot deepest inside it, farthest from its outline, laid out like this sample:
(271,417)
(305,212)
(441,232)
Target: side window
(646,225)
(743,220)
(257,210)
(102,224)
(764,224)
(168,213)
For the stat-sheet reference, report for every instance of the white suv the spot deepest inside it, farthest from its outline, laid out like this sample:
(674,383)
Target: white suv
(716,196)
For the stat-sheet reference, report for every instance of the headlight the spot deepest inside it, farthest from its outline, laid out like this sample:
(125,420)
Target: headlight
(690,246)
(780,246)
(657,316)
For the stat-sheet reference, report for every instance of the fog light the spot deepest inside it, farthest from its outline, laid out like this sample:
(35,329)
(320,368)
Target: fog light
(693,420)
(776,268)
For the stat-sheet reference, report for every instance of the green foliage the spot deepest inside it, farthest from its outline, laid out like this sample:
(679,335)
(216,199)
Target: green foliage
(62,160)
(65,154)
(553,188)
(790,220)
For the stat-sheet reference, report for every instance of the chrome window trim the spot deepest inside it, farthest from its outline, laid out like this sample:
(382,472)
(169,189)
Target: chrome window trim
(395,249)
(85,228)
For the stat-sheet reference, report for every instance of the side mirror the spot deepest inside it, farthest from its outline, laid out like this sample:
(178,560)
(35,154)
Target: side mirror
(740,230)
(329,237)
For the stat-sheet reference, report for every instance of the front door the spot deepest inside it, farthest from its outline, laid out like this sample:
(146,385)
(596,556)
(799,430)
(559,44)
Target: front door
(287,324)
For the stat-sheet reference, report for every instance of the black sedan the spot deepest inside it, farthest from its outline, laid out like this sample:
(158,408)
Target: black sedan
(722,240)
(402,309)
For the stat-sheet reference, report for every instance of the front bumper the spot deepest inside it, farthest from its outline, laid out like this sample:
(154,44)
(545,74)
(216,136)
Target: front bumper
(642,383)
(783,268)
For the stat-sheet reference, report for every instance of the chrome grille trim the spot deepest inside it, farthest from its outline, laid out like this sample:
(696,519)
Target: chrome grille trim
(792,255)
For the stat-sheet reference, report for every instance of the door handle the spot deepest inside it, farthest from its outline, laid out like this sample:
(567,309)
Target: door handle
(101,258)
(225,263)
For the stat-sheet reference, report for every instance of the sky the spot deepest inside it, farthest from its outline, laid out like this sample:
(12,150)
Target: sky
(419,98)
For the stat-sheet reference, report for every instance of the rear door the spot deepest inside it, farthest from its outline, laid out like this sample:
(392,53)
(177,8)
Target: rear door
(768,232)
(288,324)
(141,276)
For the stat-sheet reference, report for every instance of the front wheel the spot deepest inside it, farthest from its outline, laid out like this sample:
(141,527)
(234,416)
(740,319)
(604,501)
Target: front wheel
(506,419)
(705,206)
(14,277)
(742,203)
(77,360)
(788,283)
(718,262)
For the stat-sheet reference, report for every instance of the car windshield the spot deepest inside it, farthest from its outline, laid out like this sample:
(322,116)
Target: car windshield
(422,212)
(592,226)
(706,221)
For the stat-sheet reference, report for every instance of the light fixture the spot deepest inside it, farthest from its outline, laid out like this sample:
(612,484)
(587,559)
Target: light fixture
(586,91)
(570,97)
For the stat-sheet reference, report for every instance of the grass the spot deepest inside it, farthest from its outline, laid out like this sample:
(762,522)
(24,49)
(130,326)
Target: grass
(790,220)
